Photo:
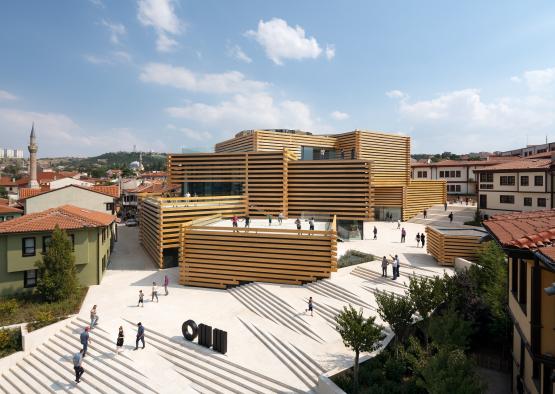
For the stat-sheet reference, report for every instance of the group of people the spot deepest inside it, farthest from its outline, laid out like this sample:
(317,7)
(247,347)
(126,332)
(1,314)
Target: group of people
(85,339)
(154,292)
(235,222)
(394,265)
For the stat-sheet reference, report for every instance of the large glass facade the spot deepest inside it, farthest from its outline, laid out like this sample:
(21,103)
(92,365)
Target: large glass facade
(315,153)
(207,189)
(350,230)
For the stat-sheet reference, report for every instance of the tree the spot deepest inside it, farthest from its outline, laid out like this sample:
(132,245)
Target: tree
(450,371)
(449,330)
(426,294)
(398,312)
(359,334)
(3,192)
(57,277)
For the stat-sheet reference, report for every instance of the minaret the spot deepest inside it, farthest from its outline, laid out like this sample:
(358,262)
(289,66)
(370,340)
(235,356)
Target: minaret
(33,148)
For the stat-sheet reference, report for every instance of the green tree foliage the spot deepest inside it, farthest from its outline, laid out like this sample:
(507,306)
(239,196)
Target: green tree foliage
(57,276)
(426,295)
(358,333)
(450,371)
(397,311)
(450,331)
(3,192)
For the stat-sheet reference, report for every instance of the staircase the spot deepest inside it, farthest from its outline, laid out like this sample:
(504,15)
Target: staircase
(327,289)
(437,215)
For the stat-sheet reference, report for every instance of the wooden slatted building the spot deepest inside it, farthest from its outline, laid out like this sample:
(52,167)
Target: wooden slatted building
(446,244)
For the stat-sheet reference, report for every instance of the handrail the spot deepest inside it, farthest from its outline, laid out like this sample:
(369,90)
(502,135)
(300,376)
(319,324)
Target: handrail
(259,230)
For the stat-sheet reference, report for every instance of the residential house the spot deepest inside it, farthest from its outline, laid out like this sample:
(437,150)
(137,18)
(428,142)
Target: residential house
(24,240)
(517,185)
(528,239)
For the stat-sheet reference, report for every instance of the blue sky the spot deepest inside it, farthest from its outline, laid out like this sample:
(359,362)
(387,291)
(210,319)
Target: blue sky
(101,75)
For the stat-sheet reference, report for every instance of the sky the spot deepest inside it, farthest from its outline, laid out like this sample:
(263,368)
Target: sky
(162,75)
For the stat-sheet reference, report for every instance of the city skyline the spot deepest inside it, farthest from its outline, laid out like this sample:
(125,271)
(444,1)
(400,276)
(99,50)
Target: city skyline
(100,76)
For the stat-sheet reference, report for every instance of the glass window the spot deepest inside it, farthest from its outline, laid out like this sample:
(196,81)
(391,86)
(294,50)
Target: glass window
(458,174)
(486,177)
(442,174)
(30,278)
(538,180)
(507,180)
(109,206)
(504,199)
(46,241)
(28,247)
(457,188)
(527,201)
(542,202)
(524,181)
(72,239)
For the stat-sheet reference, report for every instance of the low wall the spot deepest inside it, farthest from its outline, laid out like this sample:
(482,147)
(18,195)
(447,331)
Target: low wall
(462,264)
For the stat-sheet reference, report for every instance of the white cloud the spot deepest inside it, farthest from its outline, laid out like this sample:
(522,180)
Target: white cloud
(5,95)
(97,3)
(338,115)
(516,79)
(160,15)
(196,135)
(281,41)
(114,57)
(117,30)
(330,51)
(236,52)
(258,110)
(540,80)
(397,94)
(462,121)
(183,78)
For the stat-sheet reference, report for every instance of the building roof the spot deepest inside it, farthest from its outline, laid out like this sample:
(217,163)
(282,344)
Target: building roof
(523,230)
(111,191)
(153,187)
(67,217)
(7,209)
(455,163)
(521,164)
(4,201)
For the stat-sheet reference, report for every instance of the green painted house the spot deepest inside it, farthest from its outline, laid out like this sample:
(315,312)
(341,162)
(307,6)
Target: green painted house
(9,213)
(24,240)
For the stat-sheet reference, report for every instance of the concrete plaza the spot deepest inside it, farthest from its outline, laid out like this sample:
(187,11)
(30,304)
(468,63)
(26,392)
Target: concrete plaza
(273,344)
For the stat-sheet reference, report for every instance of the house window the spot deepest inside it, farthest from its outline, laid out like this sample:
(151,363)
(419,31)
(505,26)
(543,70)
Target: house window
(46,241)
(28,247)
(72,238)
(522,286)
(508,180)
(458,174)
(110,206)
(422,174)
(527,201)
(1,218)
(486,177)
(486,186)
(29,278)
(542,202)
(458,188)
(524,180)
(538,180)
(442,174)
(514,275)
(505,199)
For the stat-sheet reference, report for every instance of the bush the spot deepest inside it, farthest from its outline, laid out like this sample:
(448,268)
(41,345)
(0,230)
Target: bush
(43,318)
(10,341)
(354,257)
(8,307)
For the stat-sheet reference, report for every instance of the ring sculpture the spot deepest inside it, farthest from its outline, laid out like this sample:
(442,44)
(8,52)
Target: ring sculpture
(190,336)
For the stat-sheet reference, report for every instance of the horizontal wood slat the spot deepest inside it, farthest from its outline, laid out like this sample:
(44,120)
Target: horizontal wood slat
(420,195)
(445,248)
(223,256)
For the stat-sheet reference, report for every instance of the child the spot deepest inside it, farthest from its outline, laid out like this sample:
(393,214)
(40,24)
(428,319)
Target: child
(141,295)
(310,307)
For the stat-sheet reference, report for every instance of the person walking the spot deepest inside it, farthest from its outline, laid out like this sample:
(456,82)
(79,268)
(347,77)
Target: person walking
(94,317)
(423,239)
(403,235)
(298,223)
(311,224)
(166,283)
(398,224)
(119,341)
(450,216)
(280,218)
(247,221)
(234,221)
(140,336)
(425,213)
(77,361)
(385,263)
(269,219)
(397,266)
(417,240)
(141,296)
(375,233)
(310,306)
(85,340)
(445,205)
(154,292)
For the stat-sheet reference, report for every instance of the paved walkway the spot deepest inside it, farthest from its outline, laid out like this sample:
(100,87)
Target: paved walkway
(273,345)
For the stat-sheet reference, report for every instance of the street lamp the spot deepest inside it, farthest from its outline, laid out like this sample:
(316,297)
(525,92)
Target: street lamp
(550,290)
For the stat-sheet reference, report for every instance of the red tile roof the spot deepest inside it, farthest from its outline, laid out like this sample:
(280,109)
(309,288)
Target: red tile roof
(521,164)
(454,163)
(524,230)
(548,252)
(67,217)
(111,191)
(4,201)
(7,209)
